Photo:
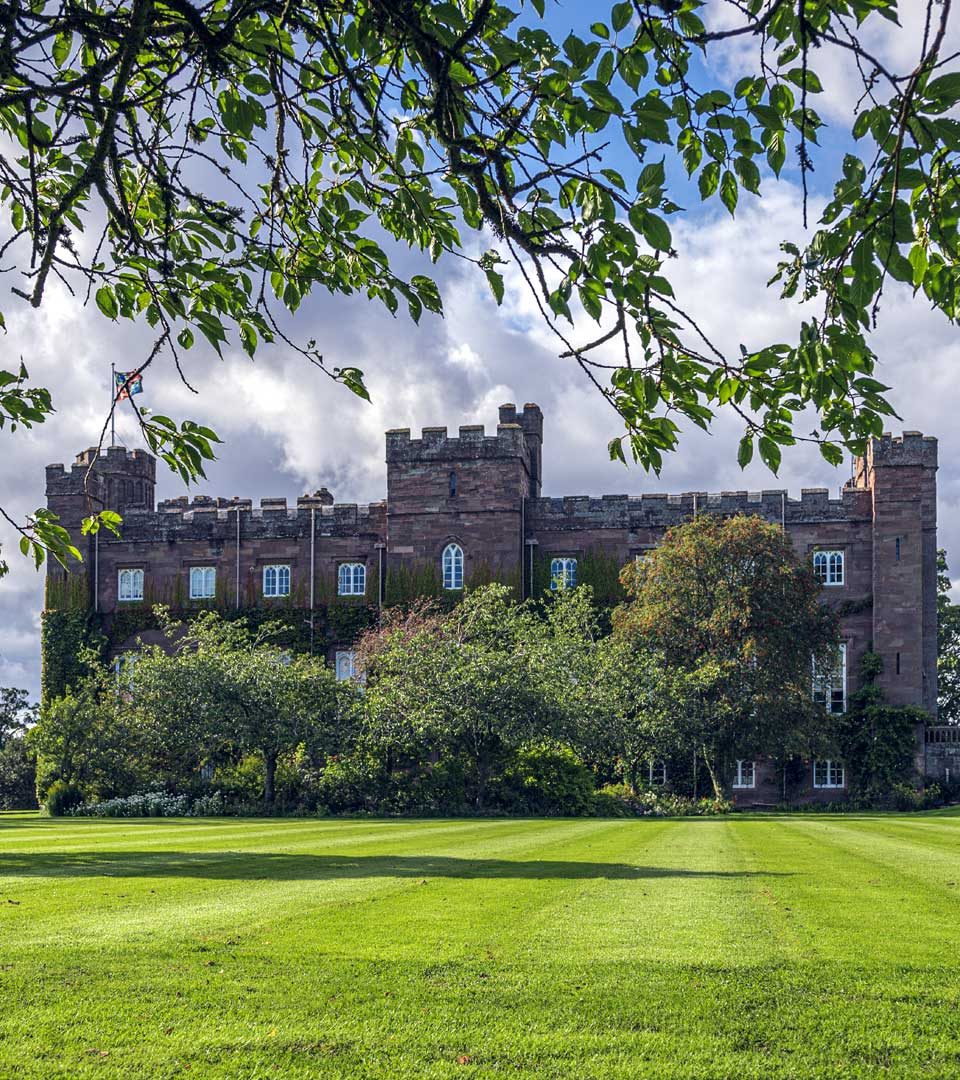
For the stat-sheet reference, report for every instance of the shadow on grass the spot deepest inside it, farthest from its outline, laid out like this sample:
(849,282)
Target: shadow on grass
(269,866)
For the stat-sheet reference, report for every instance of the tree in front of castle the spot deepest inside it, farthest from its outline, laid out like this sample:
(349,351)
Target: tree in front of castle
(730,611)
(948,647)
(203,167)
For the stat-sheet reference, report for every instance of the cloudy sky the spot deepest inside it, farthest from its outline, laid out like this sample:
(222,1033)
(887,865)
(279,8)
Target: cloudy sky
(287,429)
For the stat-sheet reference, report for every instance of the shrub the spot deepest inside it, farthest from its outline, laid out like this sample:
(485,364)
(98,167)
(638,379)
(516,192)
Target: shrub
(434,788)
(652,803)
(545,778)
(354,782)
(62,798)
(906,797)
(212,805)
(151,804)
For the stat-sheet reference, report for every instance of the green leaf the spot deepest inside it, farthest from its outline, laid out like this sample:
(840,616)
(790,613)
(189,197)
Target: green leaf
(832,453)
(621,15)
(770,453)
(257,84)
(495,281)
(709,179)
(107,301)
(352,379)
(602,97)
(652,228)
(745,451)
(946,88)
(729,191)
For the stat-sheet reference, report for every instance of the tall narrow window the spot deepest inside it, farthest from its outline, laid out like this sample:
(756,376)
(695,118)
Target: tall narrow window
(897,556)
(352,579)
(203,582)
(898,663)
(563,573)
(452,565)
(746,775)
(345,664)
(276,581)
(828,567)
(124,666)
(830,682)
(130,585)
(828,774)
(453,484)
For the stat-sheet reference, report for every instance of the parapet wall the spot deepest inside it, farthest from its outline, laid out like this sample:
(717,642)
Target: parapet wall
(473,443)
(205,518)
(664,511)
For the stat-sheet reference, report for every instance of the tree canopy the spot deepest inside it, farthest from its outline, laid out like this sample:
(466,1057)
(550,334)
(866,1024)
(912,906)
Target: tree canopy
(203,166)
(740,624)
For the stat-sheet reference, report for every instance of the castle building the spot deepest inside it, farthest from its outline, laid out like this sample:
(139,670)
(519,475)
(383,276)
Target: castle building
(468,509)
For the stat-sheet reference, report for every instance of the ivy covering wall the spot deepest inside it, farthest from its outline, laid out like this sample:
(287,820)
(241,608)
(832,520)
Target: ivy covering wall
(68,624)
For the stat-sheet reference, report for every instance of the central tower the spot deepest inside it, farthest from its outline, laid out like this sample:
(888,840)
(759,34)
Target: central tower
(469,491)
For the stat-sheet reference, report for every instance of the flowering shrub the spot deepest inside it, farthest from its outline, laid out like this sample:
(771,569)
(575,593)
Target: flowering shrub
(617,800)
(152,804)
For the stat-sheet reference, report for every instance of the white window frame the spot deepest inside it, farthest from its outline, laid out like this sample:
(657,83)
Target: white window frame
(345,664)
(351,579)
(563,573)
(124,666)
(280,577)
(830,690)
(746,774)
(833,775)
(828,566)
(130,585)
(451,565)
(203,582)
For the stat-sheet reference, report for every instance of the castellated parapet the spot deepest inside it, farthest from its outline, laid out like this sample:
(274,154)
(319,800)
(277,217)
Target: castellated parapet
(472,443)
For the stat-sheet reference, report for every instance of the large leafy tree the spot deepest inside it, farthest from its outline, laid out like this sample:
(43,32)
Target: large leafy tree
(635,703)
(948,647)
(740,622)
(225,689)
(17,769)
(202,166)
(474,684)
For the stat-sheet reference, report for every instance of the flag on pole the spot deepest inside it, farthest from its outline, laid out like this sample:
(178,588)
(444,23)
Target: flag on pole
(126,384)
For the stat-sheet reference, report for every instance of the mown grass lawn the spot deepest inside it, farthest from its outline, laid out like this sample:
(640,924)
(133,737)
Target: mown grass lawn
(740,947)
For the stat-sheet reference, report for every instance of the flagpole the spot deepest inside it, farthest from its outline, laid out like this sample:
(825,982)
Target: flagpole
(113,406)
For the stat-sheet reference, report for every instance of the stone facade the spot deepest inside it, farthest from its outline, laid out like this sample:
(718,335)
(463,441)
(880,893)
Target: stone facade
(483,493)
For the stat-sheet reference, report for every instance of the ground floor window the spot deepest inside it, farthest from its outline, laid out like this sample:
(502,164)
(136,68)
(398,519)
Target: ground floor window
(830,682)
(345,664)
(828,774)
(746,774)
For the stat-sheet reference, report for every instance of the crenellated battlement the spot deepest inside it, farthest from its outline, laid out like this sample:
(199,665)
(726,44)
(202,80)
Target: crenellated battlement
(472,442)
(664,510)
(202,508)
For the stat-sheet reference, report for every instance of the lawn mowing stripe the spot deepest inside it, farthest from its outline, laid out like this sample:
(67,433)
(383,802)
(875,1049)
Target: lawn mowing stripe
(537,976)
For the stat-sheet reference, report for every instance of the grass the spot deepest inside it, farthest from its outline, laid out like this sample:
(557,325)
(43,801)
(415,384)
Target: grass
(739,947)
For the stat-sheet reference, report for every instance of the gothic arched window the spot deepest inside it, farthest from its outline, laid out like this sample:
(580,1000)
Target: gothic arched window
(563,573)
(452,564)
(352,579)
(828,567)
